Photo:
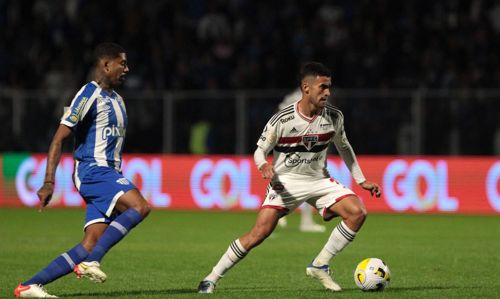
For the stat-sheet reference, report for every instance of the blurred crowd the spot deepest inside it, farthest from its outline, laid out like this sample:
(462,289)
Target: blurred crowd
(246,44)
(200,44)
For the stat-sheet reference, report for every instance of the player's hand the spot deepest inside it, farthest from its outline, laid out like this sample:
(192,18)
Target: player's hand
(374,188)
(45,194)
(266,171)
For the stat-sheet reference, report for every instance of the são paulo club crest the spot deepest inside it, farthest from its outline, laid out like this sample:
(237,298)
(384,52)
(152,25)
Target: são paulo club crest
(309,141)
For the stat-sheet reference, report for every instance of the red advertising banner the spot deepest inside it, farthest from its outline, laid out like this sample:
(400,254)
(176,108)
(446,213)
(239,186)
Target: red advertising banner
(409,184)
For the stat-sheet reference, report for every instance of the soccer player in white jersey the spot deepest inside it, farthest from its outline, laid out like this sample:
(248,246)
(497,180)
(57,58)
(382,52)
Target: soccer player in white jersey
(98,120)
(299,136)
(307,223)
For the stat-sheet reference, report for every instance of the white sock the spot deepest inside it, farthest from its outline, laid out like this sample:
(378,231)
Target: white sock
(341,237)
(235,252)
(306,216)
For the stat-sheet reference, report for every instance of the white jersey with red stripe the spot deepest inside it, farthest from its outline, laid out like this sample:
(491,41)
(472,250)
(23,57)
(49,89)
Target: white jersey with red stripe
(300,144)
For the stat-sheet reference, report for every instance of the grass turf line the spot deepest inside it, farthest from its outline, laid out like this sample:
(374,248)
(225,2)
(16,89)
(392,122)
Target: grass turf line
(432,256)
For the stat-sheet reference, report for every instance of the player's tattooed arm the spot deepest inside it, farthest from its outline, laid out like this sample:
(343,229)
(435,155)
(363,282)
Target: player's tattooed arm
(54,155)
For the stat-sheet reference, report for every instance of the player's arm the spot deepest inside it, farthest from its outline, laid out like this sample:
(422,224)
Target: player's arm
(53,158)
(265,144)
(347,153)
(79,108)
(265,168)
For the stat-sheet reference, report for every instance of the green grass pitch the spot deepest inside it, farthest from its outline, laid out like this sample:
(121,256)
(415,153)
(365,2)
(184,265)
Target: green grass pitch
(430,256)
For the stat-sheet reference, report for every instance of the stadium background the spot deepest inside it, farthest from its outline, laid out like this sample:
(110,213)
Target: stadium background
(417,81)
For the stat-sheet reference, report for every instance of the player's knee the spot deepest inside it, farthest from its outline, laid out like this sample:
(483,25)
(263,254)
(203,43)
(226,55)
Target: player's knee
(143,209)
(88,245)
(89,242)
(358,214)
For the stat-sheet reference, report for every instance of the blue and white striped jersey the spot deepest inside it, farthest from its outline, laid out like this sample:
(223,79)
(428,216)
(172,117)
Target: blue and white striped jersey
(99,122)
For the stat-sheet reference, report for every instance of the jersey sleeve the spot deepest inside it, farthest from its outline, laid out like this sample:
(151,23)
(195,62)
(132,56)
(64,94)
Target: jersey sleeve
(346,151)
(269,137)
(80,106)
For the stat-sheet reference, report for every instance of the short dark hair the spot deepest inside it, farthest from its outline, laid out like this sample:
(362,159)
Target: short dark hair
(313,69)
(107,50)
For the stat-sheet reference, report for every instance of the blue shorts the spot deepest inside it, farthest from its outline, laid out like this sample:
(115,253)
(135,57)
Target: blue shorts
(101,187)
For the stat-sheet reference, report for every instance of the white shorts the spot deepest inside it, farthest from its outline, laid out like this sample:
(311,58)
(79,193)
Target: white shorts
(287,194)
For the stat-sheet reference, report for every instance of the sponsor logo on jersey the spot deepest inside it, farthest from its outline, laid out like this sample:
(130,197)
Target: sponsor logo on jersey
(324,126)
(294,159)
(293,130)
(271,138)
(113,131)
(78,110)
(309,141)
(67,112)
(284,120)
(123,181)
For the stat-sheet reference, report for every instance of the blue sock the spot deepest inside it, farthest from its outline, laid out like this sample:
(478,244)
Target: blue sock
(61,266)
(114,233)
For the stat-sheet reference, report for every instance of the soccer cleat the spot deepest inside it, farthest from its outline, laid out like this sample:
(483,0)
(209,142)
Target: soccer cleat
(32,291)
(312,228)
(206,287)
(90,270)
(322,273)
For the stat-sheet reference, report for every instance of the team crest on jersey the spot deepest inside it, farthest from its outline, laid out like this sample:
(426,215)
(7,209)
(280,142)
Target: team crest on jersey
(123,181)
(104,105)
(309,141)
(103,100)
(271,195)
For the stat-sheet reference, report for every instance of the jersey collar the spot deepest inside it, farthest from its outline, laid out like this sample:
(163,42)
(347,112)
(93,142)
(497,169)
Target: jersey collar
(306,118)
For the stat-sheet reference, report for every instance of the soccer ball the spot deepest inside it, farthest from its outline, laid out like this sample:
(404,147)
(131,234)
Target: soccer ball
(372,274)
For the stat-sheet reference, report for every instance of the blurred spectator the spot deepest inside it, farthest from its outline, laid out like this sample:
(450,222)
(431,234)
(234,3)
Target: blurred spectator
(371,43)
(244,44)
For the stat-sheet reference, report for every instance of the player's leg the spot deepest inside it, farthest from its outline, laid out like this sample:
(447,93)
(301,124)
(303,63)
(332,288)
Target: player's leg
(93,233)
(353,214)
(133,209)
(307,223)
(62,265)
(267,219)
(110,194)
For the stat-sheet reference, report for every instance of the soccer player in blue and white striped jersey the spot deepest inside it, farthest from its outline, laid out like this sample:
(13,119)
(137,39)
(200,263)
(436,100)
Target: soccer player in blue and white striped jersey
(98,119)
